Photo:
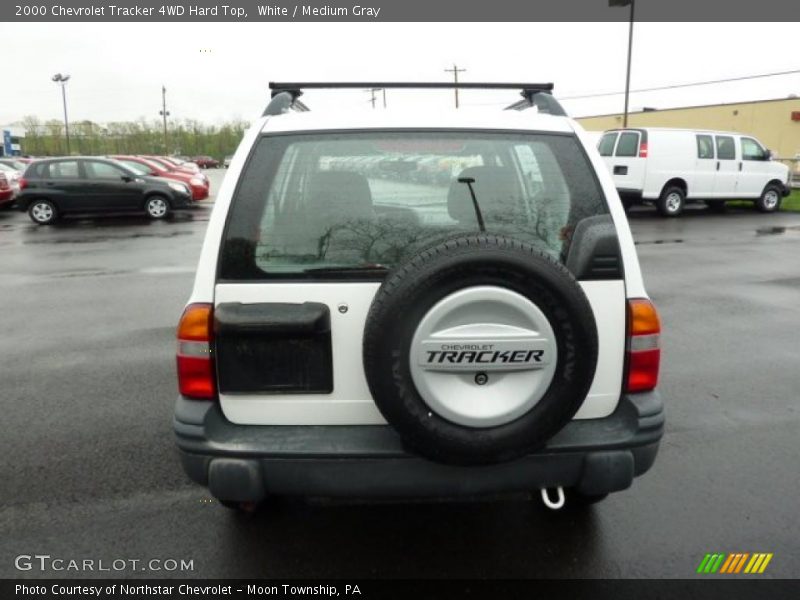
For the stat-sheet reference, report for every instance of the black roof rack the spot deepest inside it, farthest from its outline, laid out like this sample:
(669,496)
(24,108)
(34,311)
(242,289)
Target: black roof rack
(543,101)
(285,95)
(283,101)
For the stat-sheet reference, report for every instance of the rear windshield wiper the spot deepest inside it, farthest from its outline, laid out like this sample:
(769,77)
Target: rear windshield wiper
(469,181)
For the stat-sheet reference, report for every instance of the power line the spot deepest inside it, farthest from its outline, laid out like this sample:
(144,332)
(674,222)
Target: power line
(683,85)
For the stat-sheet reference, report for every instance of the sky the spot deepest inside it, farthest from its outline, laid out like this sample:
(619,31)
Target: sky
(218,72)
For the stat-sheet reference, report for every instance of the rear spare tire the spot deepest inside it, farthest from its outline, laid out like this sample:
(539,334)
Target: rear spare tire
(479,349)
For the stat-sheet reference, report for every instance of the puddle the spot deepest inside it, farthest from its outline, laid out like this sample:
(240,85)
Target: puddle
(793,282)
(777,230)
(672,241)
(106,238)
(87,273)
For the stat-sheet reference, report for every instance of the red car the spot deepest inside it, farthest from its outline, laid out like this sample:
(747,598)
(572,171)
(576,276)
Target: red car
(199,185)
(206,162)
(6,193)
(171,164)
(180,164)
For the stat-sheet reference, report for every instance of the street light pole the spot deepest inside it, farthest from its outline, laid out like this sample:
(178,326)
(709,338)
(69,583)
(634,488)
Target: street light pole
(632,4)
(628,75)
(62,81)
(164,113)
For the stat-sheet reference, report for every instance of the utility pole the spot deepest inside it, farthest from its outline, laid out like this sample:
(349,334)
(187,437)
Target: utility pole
(455,71)
(373,99)
(164,113)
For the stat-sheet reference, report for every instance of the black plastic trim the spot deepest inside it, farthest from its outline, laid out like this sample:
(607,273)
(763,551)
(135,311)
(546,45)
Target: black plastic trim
(273,347)
(271,318)
(637,421)
(247,463)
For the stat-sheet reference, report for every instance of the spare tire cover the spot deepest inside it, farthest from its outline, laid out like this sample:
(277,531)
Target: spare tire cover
(479,349)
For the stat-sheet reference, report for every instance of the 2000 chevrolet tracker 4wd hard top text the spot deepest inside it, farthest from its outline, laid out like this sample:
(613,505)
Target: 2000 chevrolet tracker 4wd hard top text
(417,305)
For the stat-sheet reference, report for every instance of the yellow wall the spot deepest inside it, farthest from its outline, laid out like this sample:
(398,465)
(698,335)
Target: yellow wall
(769,121)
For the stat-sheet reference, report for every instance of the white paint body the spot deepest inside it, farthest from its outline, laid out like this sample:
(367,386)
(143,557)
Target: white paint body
(673,154)
(350,402)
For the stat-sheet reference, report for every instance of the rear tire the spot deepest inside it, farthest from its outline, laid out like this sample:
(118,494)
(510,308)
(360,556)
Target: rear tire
(43,212)
(157,207)
(770,200)
(671,202)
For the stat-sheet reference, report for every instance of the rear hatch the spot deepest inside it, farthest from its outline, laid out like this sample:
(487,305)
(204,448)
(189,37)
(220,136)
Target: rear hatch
(318,219)
(625,153)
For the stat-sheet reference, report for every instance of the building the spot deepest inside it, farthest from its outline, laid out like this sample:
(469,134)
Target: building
(776,123)
(11,142)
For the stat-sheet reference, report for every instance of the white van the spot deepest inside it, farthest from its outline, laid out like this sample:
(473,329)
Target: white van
(669,167)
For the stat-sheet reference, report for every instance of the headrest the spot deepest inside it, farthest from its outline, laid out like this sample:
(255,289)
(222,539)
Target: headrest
(344,192)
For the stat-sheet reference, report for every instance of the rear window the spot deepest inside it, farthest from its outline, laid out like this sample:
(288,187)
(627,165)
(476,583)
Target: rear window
(34,171)
(628,144)
(67,169)
(606,145)
(320,205)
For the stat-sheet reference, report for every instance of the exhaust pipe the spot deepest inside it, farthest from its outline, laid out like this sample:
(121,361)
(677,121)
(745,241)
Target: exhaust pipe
(558,503)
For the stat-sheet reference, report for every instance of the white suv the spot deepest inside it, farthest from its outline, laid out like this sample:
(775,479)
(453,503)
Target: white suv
(426,304)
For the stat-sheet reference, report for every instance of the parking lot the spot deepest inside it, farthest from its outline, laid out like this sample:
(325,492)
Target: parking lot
(89,469)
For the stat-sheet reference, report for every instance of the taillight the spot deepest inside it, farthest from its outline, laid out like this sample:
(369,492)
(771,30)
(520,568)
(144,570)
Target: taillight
(195,362)
(23,183)
(643,150)
(644,349)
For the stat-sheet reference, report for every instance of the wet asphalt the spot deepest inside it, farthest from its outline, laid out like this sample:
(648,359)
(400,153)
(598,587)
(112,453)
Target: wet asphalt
(88,467)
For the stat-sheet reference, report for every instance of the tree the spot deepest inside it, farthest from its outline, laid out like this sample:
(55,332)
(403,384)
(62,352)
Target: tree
(188,136)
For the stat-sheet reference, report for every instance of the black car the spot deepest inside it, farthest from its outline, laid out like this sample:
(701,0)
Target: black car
(54,187)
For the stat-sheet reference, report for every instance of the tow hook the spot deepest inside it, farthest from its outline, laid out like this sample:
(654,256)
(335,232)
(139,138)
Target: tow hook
(559,502)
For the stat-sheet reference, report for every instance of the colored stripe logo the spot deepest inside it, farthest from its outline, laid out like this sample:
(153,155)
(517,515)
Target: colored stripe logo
(734,563)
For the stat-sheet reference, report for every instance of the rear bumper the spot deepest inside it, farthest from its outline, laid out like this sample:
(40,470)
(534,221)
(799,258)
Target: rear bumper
(249,462)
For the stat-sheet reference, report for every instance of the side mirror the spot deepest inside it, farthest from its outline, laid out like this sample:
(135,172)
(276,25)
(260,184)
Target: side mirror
(126,178)
(767,154)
